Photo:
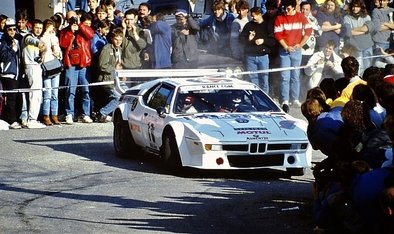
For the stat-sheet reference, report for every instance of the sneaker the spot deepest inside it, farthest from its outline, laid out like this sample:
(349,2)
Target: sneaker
(69,119)
(31,124)
(105,119)
(87,119)
(15,125)
(24,123)
(285,106)
(297,103)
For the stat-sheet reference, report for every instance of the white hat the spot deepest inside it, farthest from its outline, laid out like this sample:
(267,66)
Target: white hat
(181,12)
(9,22)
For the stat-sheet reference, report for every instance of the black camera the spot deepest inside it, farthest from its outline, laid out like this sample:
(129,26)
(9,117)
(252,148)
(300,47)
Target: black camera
(73,20)
(38,59)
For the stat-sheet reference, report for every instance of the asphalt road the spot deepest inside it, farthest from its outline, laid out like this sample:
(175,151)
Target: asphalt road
(67,180)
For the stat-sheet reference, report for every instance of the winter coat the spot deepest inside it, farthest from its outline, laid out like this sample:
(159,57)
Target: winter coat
(9,58)
(82,39)
(184,47)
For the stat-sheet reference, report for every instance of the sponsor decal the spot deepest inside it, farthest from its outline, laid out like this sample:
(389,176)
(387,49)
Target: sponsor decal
(151,132)
(287,124)
(135,128)
(224,116)
(242,120)
(248,129)
(238,115)
(252,131)
(257,137)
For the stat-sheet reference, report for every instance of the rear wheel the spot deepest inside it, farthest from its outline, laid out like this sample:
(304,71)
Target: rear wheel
(296,171)
(170,151)
(124,144)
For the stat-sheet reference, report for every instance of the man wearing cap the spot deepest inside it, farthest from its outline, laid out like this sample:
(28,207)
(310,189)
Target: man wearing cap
(184,41)
(9,67)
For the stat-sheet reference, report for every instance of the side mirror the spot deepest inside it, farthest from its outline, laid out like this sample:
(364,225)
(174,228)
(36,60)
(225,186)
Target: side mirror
(161,111)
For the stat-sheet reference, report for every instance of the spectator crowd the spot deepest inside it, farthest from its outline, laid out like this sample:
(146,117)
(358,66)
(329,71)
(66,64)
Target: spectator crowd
(340,72)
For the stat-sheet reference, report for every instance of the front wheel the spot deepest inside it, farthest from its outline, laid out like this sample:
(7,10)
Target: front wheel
(124,144)
(170,151)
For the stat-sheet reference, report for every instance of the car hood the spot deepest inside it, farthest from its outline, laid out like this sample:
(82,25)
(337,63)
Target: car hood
(241,127)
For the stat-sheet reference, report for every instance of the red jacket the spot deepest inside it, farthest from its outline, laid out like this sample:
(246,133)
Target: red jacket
(82,37)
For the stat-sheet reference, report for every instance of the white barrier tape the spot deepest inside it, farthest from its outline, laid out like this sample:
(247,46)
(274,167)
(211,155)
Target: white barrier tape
(376,56)
(149,73)
(27,90)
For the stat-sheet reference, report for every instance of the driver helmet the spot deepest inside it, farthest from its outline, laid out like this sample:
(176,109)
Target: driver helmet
(188,100)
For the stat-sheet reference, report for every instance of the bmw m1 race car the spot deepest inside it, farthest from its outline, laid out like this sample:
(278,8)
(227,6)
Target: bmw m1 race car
(209,122)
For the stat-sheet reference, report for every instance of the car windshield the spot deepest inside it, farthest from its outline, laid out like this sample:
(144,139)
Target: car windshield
(228,100)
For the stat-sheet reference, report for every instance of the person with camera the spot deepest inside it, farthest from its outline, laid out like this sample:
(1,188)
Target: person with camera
(75,42)
(32,60)
(184,41)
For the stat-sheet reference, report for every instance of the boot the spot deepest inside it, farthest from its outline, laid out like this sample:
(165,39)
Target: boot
(55,120)
(46,120)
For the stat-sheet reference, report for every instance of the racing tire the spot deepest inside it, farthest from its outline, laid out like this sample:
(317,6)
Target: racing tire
(296,171)
(124,144)
(170,152)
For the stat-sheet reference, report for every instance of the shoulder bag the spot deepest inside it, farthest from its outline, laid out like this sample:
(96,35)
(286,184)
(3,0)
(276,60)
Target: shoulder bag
(51,68)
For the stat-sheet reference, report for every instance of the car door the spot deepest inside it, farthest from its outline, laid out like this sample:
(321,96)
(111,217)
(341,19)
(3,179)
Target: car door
(153,123)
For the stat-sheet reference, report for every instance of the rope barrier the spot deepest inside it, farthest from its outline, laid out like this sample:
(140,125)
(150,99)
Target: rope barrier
(151,73)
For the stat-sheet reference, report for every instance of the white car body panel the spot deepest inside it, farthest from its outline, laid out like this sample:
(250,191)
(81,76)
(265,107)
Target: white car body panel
(248,140)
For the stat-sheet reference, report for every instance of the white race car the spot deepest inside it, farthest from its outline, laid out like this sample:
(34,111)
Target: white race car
(209,123)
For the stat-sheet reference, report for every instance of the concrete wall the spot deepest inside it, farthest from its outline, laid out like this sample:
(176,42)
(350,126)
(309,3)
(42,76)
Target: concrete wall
(8,8)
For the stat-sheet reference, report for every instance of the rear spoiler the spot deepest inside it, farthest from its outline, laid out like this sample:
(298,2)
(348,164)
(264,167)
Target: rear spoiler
(126,78)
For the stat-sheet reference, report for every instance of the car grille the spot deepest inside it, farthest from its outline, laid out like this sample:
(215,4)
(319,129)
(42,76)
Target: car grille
(244,161)
(258,147)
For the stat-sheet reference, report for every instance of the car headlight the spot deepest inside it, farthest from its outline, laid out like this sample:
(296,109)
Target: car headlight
(211,147)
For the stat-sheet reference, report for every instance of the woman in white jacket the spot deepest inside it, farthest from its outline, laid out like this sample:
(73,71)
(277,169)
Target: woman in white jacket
(323,64)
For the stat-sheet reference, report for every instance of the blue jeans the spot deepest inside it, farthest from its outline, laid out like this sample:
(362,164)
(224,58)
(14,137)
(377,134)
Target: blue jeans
(255,63)
(363,60)
(50,96)
(77,76)
(111,105)
(290,83)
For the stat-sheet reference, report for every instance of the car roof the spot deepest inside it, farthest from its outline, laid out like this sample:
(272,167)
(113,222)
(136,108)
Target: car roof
(205,82)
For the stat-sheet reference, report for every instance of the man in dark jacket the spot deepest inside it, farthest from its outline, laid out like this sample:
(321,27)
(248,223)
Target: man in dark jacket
(184,41)
(258,39)
(10,55)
